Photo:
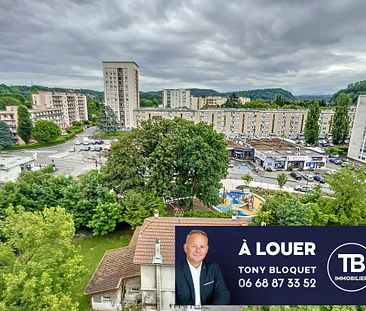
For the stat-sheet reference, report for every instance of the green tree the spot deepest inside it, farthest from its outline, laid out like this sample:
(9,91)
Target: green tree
(311,131)
(232,101)
(139,205)
(24,124)
(278,101)
(94,107)
(340,124)
(6,137)
(108,122)
(281,179)
(45,131)
(174,158)
(347,204)
(284,209)
(38,262)
(247,179)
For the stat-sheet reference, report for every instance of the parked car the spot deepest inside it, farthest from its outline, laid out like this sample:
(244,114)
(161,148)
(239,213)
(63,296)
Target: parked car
(87,148)
(296,175)
(335,161)
(319,178)
(93,142)
(303,188)
(98,148)
(73,149)
(308,177)
(77,142)
(99,142)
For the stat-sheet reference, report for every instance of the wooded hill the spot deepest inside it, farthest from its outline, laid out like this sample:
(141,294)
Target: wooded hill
(353,89)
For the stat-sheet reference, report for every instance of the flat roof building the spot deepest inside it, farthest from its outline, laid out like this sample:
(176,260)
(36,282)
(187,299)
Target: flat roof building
(121,89)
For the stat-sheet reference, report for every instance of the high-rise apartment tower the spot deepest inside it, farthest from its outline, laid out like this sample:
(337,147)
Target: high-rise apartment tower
(357,144)
(121,89)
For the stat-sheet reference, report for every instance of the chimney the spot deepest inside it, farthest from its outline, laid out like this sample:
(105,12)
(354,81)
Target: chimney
(158,259)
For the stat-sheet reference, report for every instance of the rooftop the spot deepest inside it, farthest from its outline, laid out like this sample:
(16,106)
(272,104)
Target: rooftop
(115,266)
(9,161)
(163,229)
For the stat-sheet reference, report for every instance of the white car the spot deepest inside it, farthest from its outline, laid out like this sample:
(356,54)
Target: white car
(77,142)
(308,177)
(303,188)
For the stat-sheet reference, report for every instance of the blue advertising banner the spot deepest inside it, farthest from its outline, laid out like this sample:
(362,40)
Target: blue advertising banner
(286,265)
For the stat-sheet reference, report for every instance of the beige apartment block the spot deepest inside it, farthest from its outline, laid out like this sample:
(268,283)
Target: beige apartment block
(55,115)
(357,146)
(176,98)
(121,89)
(72,105)
(10,117)
(246,123)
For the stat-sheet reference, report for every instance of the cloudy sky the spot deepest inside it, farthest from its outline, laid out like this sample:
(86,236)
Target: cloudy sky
(304,46)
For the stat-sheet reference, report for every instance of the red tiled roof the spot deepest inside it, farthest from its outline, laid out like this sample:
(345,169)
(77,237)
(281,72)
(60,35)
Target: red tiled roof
(163,229)
(115,266)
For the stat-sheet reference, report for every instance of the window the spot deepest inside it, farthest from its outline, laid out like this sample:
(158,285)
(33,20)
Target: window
(106,298)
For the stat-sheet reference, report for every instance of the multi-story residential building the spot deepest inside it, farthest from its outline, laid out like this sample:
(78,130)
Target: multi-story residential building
(177,98)
(201,101)
(55,115)
(357,146)
(72,105)
(121,89)
(10,117)
(247,123)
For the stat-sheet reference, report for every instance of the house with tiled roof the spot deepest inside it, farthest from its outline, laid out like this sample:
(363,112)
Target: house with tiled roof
(116,281)
(154,254)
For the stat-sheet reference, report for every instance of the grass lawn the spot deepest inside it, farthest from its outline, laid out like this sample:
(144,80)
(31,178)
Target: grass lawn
(93,249)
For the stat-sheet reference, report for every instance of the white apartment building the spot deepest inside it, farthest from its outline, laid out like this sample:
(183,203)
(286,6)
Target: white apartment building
(357,146)
(246,123)
(121,89)
(176,98)
(54,115)
(72,105)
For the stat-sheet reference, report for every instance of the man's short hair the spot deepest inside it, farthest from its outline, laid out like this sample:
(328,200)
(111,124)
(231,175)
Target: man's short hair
(196,231)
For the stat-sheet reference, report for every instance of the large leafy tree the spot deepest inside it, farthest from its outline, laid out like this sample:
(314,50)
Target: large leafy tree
(348,204)
(24,124)
(6,138)
(171,158)
(284,209)
(38,262)
(108,122)
(88,199)
(311,131)
(139,205)
(340,124)
(46,131)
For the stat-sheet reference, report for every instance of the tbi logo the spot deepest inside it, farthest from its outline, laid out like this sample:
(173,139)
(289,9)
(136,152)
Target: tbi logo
(346,267)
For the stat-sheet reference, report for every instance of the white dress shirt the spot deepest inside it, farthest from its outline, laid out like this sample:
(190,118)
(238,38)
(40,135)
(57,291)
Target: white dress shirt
(196,273)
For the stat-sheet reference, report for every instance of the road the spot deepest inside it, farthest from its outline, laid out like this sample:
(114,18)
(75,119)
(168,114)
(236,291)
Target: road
(68,162)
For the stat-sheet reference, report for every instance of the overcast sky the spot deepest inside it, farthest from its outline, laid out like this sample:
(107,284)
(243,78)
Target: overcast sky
(304,46)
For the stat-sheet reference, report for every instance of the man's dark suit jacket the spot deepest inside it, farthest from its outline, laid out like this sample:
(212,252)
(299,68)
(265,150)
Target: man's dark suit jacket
(213,287)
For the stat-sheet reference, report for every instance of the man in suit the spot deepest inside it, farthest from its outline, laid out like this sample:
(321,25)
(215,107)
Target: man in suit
(197,281)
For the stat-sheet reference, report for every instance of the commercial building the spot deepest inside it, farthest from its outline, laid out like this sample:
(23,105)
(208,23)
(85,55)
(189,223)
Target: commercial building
(121,90)
(72,105)
(277,154)
(357,146)
(176,98)
(246,123)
